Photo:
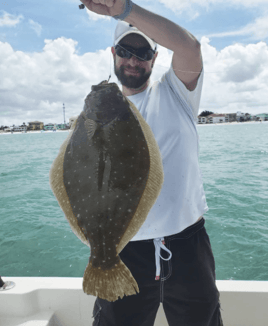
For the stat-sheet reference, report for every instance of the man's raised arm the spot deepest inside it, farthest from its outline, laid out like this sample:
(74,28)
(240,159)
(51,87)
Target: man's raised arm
(187,58)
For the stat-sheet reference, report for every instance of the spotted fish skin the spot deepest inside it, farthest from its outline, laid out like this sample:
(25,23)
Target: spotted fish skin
(106,168)
(106,177)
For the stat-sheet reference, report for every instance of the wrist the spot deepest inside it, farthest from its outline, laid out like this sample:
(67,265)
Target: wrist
(126,12)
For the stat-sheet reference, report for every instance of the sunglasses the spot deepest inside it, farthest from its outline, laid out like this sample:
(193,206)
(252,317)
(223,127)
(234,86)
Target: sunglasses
(143,54)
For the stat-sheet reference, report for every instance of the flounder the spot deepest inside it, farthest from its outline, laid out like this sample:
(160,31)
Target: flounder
(106,178)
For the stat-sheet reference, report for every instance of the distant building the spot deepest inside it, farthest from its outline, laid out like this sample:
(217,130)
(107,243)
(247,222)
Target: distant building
(50,126)
(240,116)
(55,126)
(202,119)
(61,126)
(35,125)
(247,117)
(216,118)
(231,117)
(19,128)
(262,117)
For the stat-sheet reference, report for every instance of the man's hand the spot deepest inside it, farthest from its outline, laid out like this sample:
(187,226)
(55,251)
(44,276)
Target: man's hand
(105,7)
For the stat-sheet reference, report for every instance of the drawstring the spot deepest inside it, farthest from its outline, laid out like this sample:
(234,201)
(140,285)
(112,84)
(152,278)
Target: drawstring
(160,243)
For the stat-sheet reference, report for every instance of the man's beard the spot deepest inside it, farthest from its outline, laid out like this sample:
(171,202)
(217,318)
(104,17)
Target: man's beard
(131,81)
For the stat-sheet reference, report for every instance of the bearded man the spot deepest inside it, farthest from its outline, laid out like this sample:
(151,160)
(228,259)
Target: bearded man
(182,275)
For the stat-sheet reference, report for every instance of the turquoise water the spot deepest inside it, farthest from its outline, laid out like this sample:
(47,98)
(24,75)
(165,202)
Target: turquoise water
(36,240)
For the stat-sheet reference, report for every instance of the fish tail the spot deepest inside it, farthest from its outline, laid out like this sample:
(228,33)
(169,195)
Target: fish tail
(109,284)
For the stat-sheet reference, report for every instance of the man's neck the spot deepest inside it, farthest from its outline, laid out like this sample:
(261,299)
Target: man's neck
(132,91)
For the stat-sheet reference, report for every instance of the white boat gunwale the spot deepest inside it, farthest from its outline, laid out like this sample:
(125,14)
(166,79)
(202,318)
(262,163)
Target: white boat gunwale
(243,303)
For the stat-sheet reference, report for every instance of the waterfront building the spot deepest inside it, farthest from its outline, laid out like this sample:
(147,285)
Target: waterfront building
(262,117)
(19,128)
(230,117)
(50,126)
(247,117)
(240,116)
(217,118)
(202,119)
(62,126)
(213,118)
(35,125)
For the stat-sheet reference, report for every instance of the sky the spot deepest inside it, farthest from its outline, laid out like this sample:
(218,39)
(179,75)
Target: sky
(51,53)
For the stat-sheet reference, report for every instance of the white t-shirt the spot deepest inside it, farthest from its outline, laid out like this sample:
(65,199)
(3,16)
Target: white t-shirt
(171,111)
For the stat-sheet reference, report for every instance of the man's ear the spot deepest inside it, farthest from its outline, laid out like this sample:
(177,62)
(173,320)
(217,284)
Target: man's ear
(113,51)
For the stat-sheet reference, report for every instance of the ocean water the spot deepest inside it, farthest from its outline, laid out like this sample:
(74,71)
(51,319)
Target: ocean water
(36,239)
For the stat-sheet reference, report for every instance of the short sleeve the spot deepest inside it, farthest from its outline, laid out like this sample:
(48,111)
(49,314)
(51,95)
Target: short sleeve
(192,98)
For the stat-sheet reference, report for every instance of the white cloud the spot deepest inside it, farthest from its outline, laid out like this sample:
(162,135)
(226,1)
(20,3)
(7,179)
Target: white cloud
(193,6)
(33,86)
(10,20)
(93,16)
(235,78)
(36,27)
(183,6)
(258,30)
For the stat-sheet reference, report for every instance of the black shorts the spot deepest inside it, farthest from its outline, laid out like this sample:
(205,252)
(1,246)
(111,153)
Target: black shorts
(186,286)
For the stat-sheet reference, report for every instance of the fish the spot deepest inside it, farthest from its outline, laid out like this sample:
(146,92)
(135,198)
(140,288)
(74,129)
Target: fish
(106,177)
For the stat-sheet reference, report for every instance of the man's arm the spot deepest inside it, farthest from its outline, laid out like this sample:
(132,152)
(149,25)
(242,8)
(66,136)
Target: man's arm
(187,59)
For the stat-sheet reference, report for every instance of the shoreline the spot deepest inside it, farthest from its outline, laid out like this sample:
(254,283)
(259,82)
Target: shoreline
(231,123)
(33,132)
(198,124)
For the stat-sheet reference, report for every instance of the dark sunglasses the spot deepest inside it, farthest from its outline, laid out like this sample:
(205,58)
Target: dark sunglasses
(143,54)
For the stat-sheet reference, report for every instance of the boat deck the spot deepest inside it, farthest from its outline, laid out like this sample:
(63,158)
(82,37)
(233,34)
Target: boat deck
(52,301)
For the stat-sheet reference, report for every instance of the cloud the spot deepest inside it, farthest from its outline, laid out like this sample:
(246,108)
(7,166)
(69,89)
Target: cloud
(33,86)
(196,8)
(36,27)
(235,78)
(258,30)
(10,20)
(195,5)
(190,8)
(93,16)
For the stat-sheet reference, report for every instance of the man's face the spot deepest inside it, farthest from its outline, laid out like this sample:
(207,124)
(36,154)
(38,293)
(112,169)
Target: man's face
(133,73)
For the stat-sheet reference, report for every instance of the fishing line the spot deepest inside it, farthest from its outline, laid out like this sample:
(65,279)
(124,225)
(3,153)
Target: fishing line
(110,67)
(111,38)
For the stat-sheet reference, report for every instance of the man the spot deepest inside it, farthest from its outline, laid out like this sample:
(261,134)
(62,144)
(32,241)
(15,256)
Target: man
(183,276)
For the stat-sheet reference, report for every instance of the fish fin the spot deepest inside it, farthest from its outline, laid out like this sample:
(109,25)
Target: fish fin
(91,127)
(109,284)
